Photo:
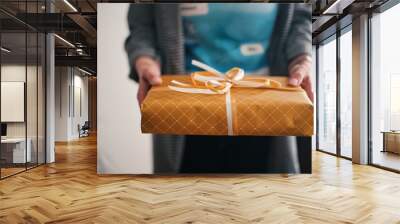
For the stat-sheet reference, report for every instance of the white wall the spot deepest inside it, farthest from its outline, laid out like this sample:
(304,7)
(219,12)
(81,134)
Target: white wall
(61,104)
(121,148)
(80,82)
(67,81)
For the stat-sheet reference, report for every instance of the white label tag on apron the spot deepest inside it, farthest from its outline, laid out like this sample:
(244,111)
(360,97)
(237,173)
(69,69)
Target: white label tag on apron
(251,49)
(193,9)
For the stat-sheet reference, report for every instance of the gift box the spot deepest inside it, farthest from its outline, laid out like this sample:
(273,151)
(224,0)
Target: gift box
(244,109)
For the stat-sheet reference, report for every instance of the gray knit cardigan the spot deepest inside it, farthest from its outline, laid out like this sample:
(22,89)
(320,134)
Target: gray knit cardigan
(156,31)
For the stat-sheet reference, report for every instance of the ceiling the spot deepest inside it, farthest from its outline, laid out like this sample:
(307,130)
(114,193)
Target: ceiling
(74,22)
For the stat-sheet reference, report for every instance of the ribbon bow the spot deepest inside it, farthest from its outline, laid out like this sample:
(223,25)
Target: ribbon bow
(215,82)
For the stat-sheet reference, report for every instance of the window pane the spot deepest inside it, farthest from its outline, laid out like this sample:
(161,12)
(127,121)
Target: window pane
(346,94)
(385,86)
(327,97)
(314,82)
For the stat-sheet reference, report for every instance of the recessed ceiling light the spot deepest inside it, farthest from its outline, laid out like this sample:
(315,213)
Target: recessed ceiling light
(337,7)
(84,71)
(70,5)
(5,50)
(64,40)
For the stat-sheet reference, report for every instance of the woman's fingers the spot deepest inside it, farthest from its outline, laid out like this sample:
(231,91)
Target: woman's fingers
(299,75)
(296,76)
(149,74)
(307,86)
(152,75)
(142,91)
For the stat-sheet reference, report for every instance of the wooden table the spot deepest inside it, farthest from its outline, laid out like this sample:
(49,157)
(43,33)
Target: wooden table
(391,141)
(13,151)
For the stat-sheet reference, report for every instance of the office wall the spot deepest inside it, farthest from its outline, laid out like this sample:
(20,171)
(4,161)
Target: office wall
(121,147)
(71,86)
(62,80)
(80,109)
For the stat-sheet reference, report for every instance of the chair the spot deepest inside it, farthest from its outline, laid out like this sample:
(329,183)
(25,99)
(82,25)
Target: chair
(84,130)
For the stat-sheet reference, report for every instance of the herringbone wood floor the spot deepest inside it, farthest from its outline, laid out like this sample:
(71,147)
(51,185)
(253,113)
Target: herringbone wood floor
(70,191)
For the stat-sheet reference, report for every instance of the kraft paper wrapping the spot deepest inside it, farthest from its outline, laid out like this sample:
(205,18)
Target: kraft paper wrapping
(255,111)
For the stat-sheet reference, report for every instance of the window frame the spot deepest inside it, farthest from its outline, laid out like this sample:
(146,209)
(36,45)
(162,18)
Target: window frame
(334,37)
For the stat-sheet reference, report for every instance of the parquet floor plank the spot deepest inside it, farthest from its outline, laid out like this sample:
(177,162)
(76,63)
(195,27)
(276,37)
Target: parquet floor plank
(70,191)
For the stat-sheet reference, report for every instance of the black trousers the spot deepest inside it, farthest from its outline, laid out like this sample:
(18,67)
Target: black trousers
(239,154)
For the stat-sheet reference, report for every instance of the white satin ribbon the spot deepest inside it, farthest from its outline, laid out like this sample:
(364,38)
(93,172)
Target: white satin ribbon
(229,116)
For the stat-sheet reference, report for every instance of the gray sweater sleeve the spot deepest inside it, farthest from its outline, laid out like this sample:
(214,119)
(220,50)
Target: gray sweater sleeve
(300,36)
(142,38)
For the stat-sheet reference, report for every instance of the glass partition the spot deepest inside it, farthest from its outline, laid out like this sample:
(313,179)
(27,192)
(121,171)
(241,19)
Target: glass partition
(22,101)
(33,72)
(32,97)
(14,153)
(41,97)
(327,96)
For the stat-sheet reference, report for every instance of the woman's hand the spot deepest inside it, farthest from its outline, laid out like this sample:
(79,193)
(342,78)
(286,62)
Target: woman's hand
(149,74)
(300,74)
